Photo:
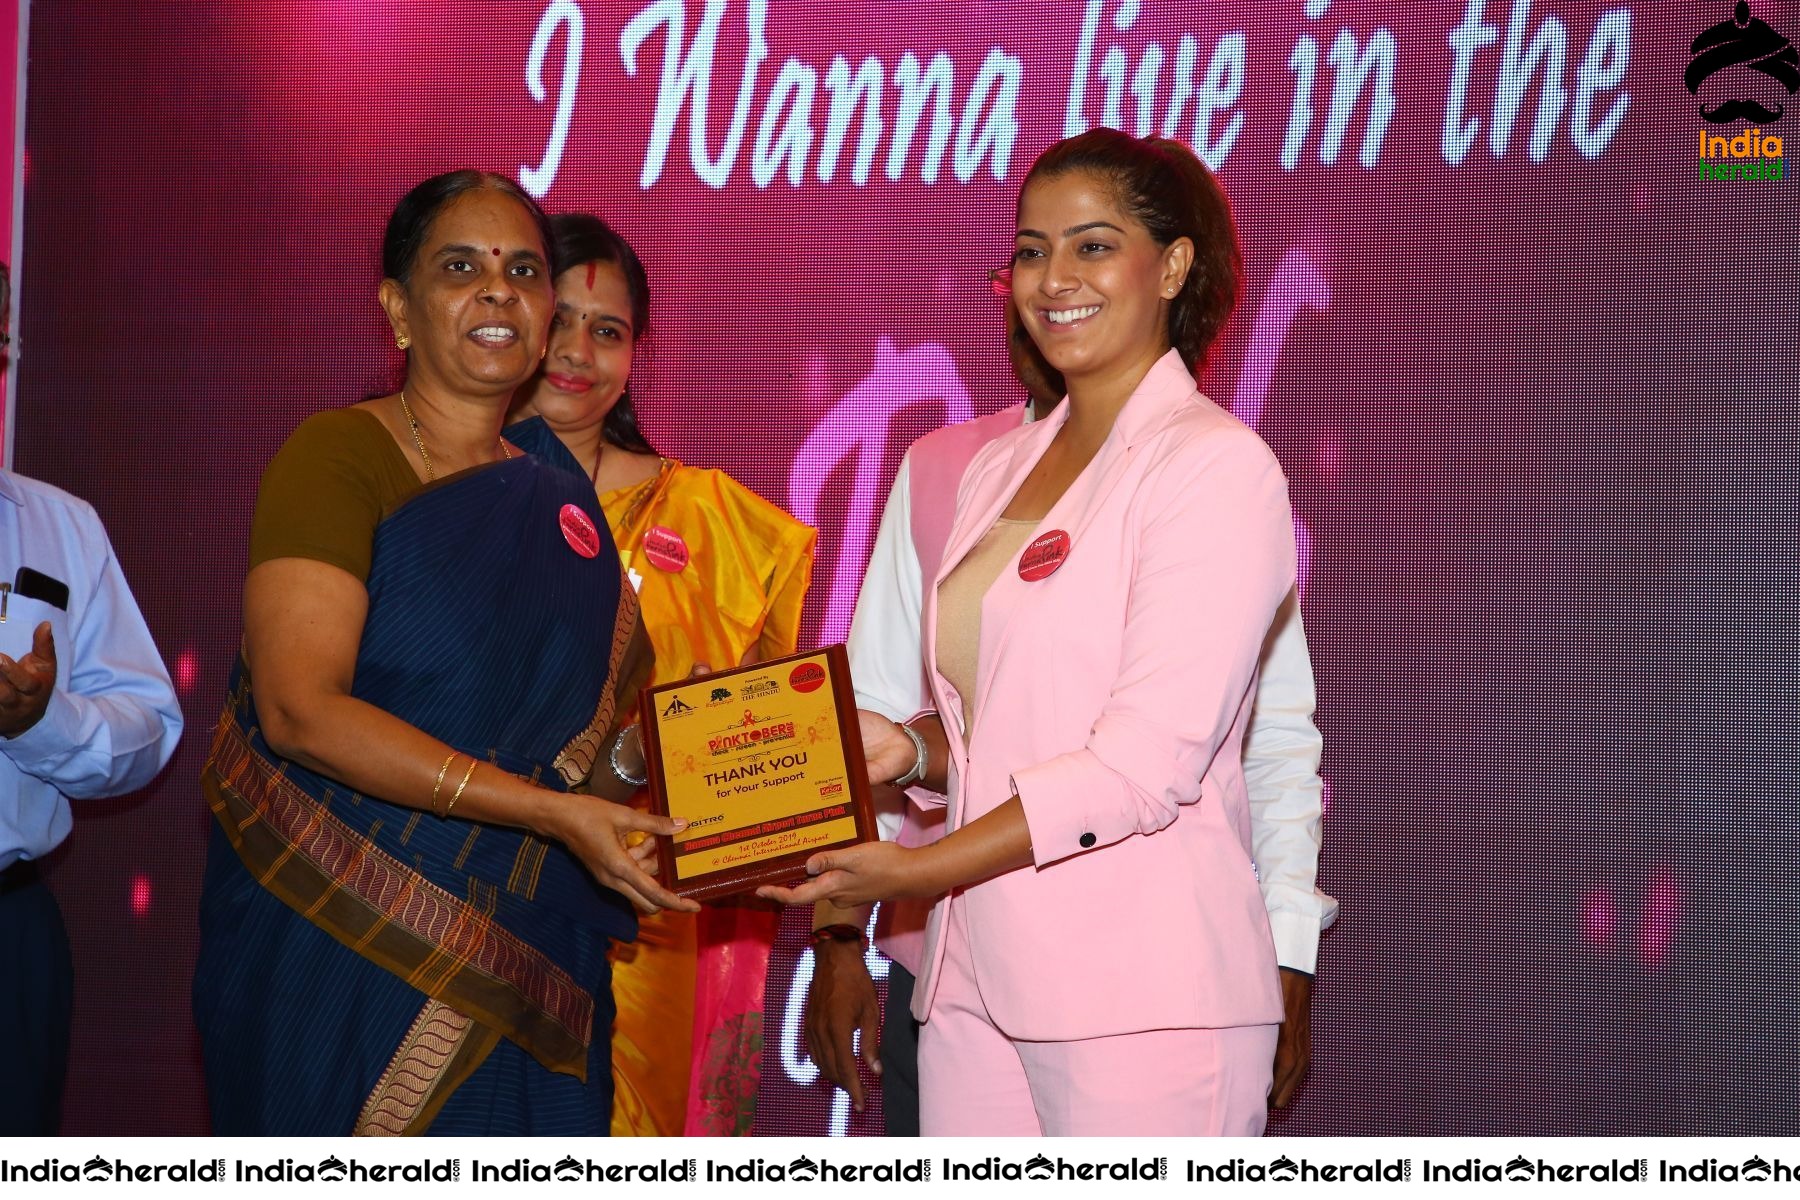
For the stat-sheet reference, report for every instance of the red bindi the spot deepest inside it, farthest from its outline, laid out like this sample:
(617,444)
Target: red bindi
(496,252)
(591,267)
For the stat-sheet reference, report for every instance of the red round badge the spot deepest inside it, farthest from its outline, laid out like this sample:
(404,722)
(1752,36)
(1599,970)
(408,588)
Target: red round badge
(1045,554)
(807,677)
(665,548)
(578,530)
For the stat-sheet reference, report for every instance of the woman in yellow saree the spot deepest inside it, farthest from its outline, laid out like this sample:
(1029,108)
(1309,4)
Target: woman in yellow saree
(721,574)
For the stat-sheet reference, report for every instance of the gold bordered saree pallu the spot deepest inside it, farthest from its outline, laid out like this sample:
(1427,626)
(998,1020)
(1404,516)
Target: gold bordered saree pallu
(374,969)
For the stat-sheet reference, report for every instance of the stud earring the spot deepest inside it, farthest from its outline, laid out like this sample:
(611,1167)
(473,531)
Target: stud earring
(401,341)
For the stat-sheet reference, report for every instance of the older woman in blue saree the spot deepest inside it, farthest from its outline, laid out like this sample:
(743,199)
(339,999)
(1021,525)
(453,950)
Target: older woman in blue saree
(419,861)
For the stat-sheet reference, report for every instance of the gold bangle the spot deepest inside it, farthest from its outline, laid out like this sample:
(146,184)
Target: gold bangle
(473,763)
(438,786)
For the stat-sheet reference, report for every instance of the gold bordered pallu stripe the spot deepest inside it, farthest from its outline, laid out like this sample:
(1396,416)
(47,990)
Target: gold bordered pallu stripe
(448,948)
(441,1050)
(577,759)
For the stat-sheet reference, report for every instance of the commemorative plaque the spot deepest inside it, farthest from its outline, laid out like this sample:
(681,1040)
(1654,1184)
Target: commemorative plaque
(765,763)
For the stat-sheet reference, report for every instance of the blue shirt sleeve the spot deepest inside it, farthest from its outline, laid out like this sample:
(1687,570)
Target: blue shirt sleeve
(113,721)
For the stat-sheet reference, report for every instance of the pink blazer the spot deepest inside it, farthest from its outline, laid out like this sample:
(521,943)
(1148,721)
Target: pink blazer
(1112,695)
(935,466)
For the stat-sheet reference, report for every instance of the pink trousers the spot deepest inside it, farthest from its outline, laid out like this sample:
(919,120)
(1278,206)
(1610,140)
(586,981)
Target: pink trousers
(974,1080)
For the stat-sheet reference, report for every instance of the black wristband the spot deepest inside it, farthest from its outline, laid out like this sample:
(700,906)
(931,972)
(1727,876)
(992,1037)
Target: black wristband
(839,933)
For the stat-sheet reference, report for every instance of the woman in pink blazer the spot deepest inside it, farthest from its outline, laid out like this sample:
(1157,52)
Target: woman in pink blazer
(1100,960)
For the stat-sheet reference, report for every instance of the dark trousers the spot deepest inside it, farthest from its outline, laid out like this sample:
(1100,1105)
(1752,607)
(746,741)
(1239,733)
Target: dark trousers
(37,992)
(900,1056)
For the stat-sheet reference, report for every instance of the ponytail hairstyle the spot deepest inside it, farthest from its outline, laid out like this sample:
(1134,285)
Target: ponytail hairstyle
(1170,192)
(582,238)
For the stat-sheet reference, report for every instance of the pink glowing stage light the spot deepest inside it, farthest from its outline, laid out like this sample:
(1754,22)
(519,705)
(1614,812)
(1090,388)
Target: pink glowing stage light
(1600,918)
(187,671)
(1662,910)
(1329,458)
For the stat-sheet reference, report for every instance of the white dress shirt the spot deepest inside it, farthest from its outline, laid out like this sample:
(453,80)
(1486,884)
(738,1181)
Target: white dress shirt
(1281,749)
(113,720)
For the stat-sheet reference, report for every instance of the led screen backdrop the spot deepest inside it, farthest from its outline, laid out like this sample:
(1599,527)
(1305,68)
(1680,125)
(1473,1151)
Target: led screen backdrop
(1528,364)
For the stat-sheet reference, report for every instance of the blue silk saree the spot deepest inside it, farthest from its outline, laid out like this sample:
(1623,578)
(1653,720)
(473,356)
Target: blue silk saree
(371,968)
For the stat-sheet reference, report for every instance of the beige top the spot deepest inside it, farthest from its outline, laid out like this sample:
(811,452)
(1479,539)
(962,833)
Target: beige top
(959,605)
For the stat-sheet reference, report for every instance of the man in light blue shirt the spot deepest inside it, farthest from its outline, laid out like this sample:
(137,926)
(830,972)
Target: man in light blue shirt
(86,710)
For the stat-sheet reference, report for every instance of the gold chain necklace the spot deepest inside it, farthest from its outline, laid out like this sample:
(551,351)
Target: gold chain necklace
(412,423)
